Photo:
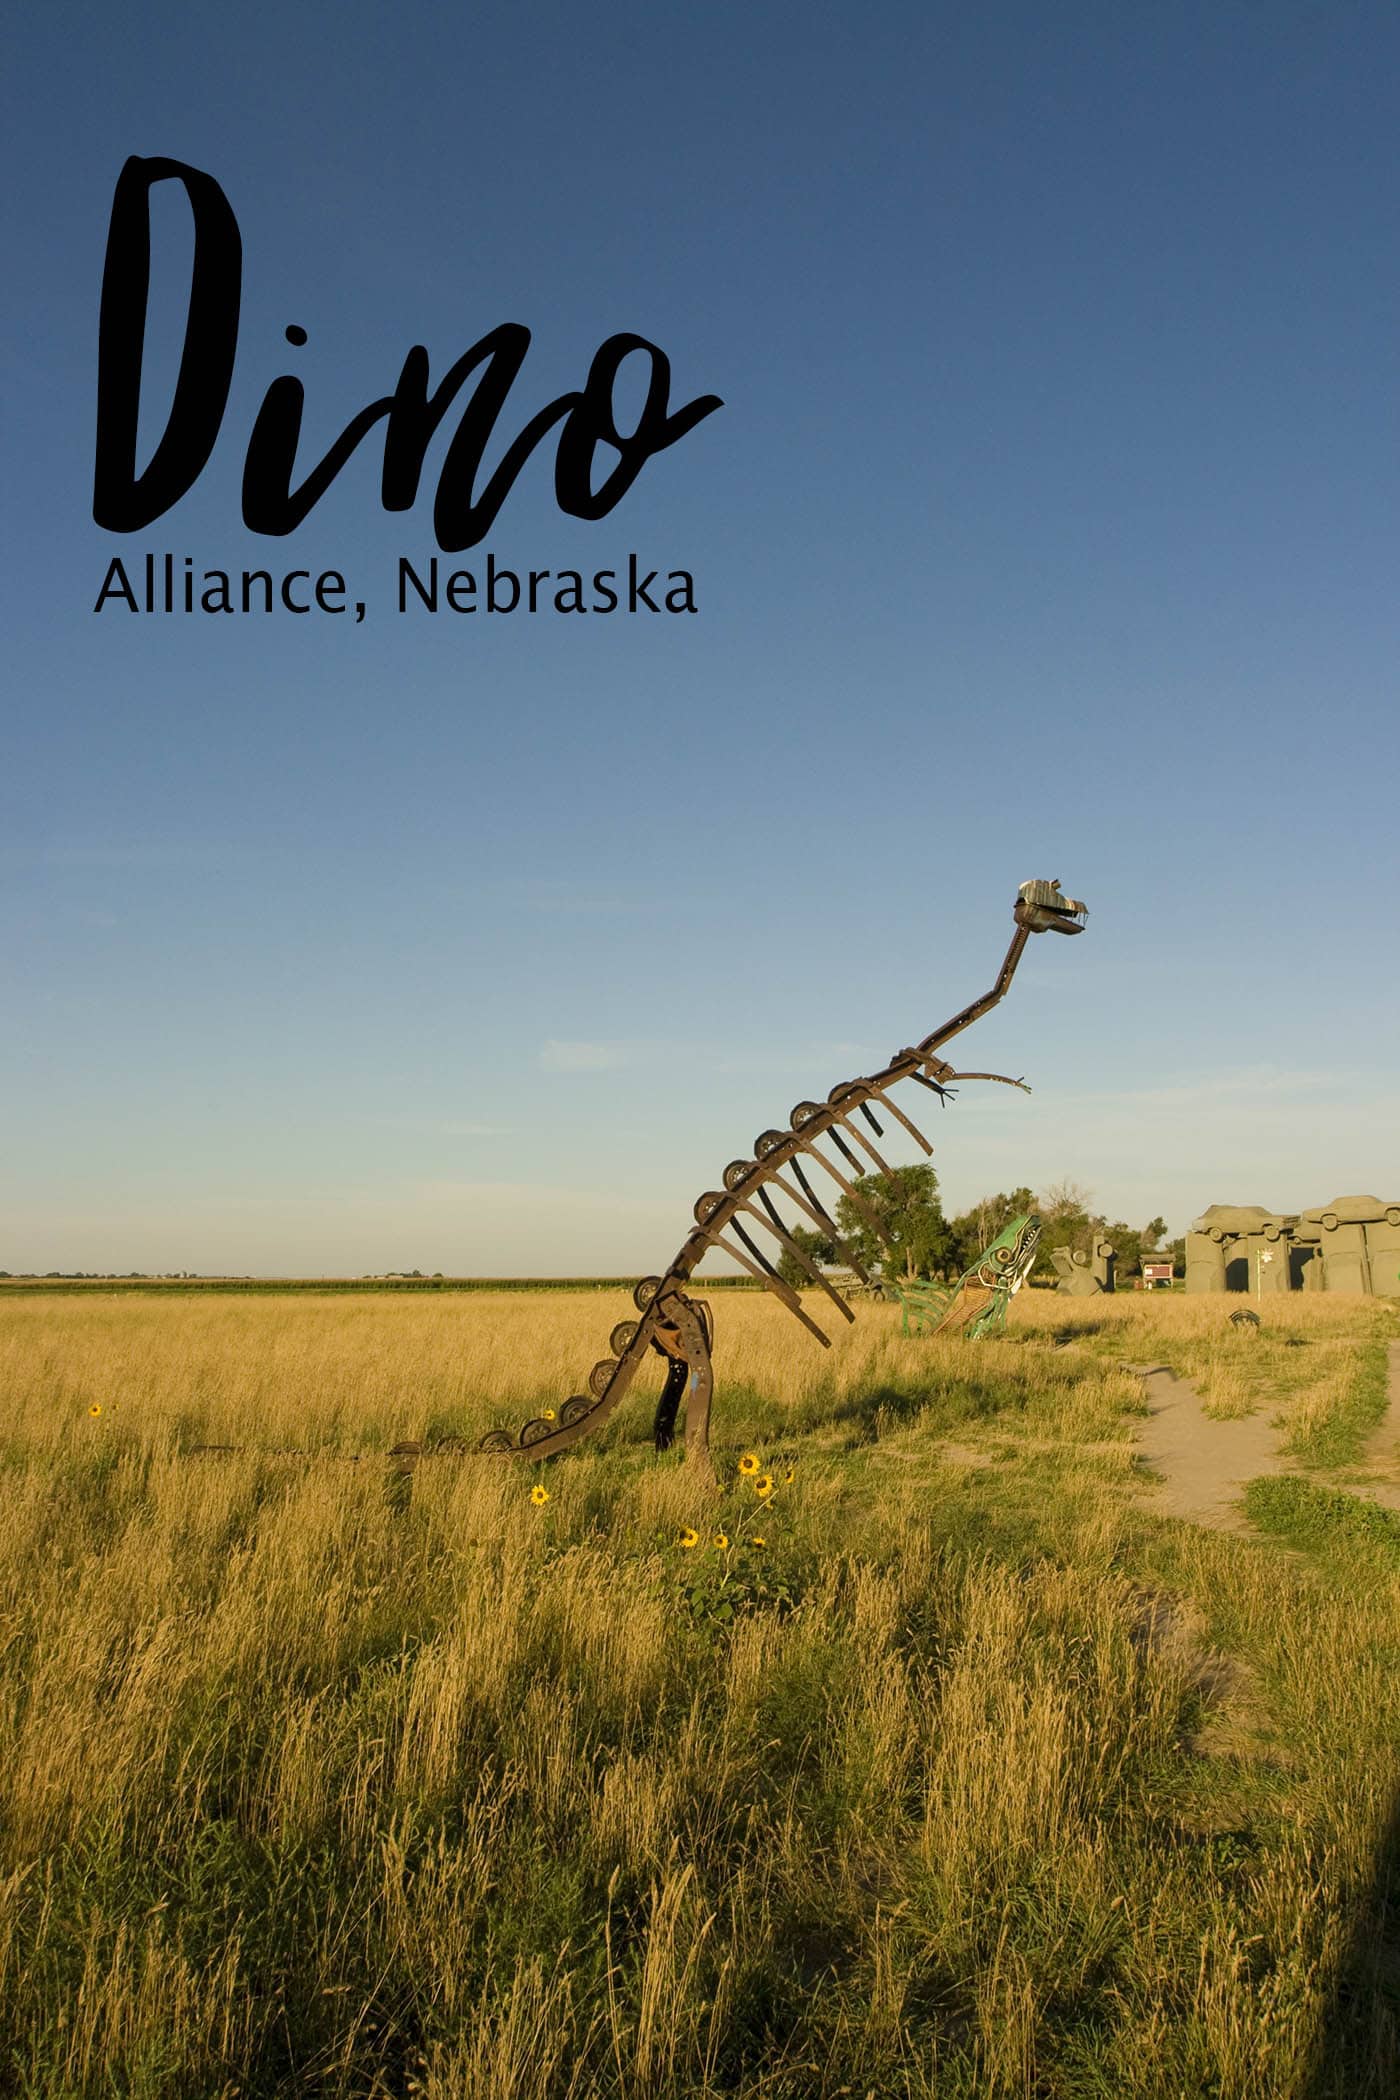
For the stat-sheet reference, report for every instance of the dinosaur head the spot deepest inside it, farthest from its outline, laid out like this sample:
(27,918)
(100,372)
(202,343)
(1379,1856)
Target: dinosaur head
(1011,1256)
(1042,907)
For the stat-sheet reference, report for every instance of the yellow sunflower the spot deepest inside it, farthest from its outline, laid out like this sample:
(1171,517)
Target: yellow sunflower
(722,1541)
(689,1538)
(748,1463)
(763,1487)
(757,1541)
(96,1408)
(539,1496)
(789,1477)
(546,1414)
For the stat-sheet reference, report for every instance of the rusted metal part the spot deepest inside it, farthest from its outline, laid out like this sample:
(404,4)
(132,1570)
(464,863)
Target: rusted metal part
(768,1276)
(821,1218)
(913,1129)
(677,1326)
(997,1078)
(685,1336)
(848,1189)
(790,1247)
(407,1454)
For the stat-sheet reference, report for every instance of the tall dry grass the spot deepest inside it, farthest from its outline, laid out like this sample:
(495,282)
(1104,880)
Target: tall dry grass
(320,1778)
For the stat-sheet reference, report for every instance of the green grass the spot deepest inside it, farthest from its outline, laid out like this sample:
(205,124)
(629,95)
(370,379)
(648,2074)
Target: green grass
(1323,1519)
(1339,1437)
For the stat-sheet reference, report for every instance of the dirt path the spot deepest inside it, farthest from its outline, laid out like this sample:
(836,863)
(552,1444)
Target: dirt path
(1203,1464)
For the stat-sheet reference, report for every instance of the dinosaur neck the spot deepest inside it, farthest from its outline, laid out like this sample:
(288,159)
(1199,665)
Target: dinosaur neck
(988,1000)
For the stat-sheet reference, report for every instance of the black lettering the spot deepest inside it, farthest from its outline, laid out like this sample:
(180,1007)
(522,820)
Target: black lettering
(493,576)
(635,590)
(602,588)
(460,517)
(328,583)
(122,499)
(592,420)
(461,584)
(216,582)
(427,592)
(115,585)
(273,503)
(252,576)
(572,590)
(537,577)
(287,598)
(684,590)
(270,504)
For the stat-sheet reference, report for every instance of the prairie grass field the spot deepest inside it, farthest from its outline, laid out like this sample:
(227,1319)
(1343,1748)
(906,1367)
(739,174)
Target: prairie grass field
(952,1771)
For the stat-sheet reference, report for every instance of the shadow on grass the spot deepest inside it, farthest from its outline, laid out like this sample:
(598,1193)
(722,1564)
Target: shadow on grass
(969,1399)
(1358,2047)
(1062,1336)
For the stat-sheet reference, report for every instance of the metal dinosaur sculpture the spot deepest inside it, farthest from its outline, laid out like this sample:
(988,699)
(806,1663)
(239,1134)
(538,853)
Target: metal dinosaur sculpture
(977,1302)
(677,1326)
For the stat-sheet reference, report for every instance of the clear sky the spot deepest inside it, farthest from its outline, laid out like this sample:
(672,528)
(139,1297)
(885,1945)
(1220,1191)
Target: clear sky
(1049,528)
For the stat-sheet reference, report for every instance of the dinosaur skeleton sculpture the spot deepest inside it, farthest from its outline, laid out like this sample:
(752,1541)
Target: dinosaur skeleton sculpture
(678,1326)
(977,1302)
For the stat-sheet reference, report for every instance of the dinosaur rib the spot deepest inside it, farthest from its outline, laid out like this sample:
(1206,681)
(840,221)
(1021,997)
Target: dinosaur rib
(769,1277)
(788,1248)
(774,1224)
(898,1113)
(882,1166)
(857,1200)
(742,1234)
(818,1216)
(679,1326)
(821,1219)
(842,1147)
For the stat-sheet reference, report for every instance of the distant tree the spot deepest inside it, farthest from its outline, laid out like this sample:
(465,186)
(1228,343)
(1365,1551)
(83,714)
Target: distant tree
(1068,1218)
(978,1227)
(928,1244)
(1134,1248)
(1067,1196)
(813,1245)
(1070,1221)
(911,1216)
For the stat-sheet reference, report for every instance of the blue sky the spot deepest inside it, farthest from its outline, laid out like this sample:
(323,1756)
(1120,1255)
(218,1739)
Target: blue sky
(1048,528)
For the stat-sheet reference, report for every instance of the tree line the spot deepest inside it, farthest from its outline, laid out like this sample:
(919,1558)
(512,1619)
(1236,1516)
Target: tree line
(926,1243)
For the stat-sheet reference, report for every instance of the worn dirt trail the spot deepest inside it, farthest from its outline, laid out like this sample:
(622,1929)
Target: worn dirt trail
(1203,1464)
